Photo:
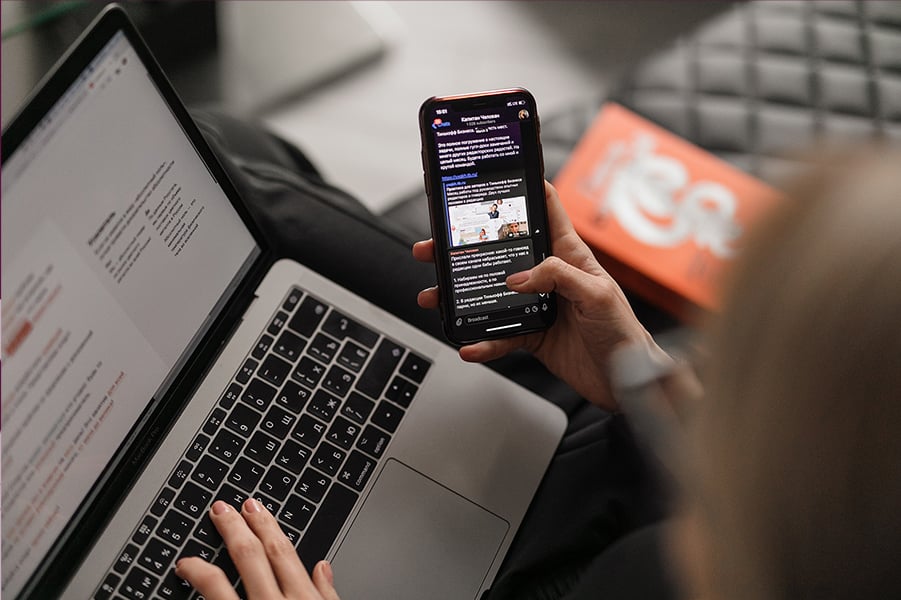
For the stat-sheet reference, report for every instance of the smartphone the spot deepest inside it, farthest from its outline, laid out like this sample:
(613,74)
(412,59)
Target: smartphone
(484,177)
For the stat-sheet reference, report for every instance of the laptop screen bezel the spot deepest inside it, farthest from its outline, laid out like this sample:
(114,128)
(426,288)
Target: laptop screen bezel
(73,543)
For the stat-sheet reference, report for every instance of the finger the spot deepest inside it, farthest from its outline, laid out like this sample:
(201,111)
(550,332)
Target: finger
(246,551)
(588,292)
(324,580)
(492,349)
(428,298)
(207,579)
(290,573)
(424,251)
(565,241)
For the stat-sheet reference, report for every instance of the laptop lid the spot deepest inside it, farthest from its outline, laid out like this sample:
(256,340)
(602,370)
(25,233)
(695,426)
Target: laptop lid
(125,256)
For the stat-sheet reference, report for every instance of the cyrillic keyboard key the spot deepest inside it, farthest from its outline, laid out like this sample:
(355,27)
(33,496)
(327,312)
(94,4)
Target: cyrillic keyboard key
(353,356)
(293,456)
(338,381)
(278,422)
(226,446)
(157,556)
(380,369)
(230,396)
(214,421)
(138,585)
(308,431)
(107,587)
(323,405)
(328,458)
(312,485)
(323,530)
(162,502)
(293,396)
(209,472)
(261,448)
(193,500)
(341,327)
(180,474)
(245,475)
(174,528)
(263,345)
(197,448)
(323,348)
(278,321)
(206,531)
(247,370)
(243,419)
(277,483)
(144,530)
(126,558)
(174,588)
(297,512)
(343,433)
(308,372)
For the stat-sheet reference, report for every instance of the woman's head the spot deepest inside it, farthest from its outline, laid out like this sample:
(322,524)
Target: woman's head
(796,462)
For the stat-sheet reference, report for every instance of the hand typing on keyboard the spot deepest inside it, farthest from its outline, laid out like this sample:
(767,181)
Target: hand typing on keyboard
(269,566)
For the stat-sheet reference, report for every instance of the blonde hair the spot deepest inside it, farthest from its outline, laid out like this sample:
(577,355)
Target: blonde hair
(798,442)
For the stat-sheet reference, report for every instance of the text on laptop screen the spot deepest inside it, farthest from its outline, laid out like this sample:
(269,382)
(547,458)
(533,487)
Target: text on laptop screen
(117,245)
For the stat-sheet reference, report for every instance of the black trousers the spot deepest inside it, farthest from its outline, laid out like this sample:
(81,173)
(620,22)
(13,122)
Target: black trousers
(592,530)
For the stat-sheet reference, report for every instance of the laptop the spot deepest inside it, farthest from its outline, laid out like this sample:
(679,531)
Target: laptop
(156,358)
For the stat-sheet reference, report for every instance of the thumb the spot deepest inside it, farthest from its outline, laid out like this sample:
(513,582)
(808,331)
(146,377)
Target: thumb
(556,275)
(324,580)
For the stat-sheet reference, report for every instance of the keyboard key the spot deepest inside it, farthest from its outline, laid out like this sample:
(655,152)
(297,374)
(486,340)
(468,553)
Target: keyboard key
(268,503)
(356,470)
(291,534)
(108,587)
(289,346)
(226,446)
(258,394)
(415,367)
(308,316)
(274,370)
(138,585)
(262,347)
(373,441)
(308,372)
(312,485)
(342,327)
(277,322)
(174,528)
(353,356)
(157,557)
(224,562)
(343,433)
(278,422)
(214,421)
(162,502)
(293,396)
(193,500)
(338,381)
(230,396)
(293,456)
(323,405)
(308,431)
(375,377)
(197,447)
(297,512)
(357,407)
(261,448)
(323,530)
(206,531)
(144,530)
(231,496)
(209,472)
(291,301)
(195,548)
(277,483)
(401,391)
(243,419)
(126,558)
(328,458)
(174,588)
(180,474)
(323,348)
(387,416)
(246,371)
(245,475)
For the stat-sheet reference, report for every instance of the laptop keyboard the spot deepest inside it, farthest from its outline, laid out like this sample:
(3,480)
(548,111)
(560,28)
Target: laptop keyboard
(301,428)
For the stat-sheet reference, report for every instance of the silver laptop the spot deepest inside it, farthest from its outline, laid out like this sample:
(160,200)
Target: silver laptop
(155,359)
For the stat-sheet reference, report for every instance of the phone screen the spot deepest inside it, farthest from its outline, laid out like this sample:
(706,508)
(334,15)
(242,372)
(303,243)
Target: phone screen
(485,178)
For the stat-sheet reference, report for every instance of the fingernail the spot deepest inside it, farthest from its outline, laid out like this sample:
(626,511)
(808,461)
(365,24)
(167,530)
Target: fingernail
(327,569)
(220,507)
(519,278)
(252,506)
(177,566)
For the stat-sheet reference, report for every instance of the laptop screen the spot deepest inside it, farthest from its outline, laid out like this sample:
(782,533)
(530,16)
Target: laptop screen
(118,249)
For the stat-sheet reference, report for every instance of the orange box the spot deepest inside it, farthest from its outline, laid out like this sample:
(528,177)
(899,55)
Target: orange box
(664,217)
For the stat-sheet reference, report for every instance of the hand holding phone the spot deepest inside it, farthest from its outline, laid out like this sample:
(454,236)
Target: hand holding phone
(484,177)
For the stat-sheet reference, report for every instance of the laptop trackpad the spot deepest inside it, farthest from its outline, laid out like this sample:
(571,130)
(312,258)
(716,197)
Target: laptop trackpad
(416,539)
